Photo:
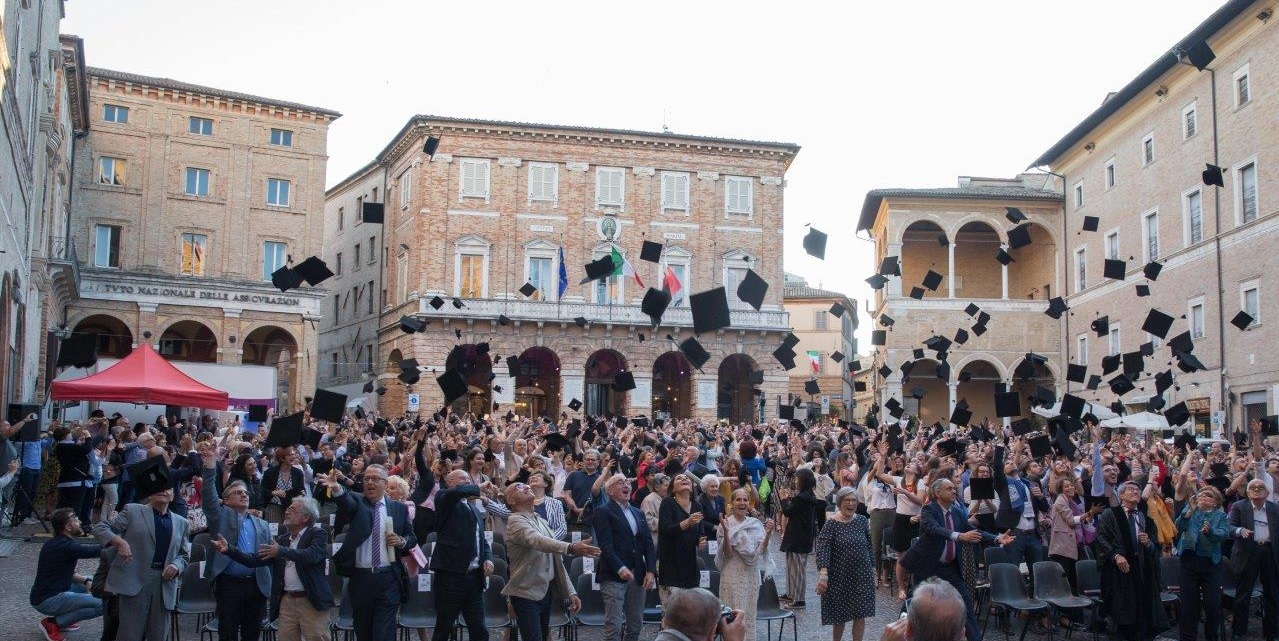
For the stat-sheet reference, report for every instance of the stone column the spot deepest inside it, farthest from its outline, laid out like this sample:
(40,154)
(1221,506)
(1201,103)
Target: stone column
(954,387)
(950,265)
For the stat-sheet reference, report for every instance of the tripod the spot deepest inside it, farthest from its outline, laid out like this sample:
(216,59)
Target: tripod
(26,495)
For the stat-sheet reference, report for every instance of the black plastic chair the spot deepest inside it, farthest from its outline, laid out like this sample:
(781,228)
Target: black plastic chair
(496,613)
(418,613)
(652,607)
(1009,592)
(1088,578)
(888,558)
(499,551)
(345,621)
(1170,591)
(195,596)
(768,608)
(562,620)
(500,568)
(592,613)
(1053,588)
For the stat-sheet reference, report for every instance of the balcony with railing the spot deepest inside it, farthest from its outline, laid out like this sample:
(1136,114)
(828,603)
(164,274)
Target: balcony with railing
(64,268)
(567,311)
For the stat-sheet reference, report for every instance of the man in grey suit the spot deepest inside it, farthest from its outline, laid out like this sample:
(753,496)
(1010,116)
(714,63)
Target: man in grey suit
(240,593)
(151,553)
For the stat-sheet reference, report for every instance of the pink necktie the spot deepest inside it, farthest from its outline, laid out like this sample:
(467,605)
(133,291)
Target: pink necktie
(950,544)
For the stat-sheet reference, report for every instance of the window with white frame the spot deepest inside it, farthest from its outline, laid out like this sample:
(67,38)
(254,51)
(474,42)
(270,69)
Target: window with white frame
(678,260)
(273,256)
(543,182)
(1150,235)
(475,178)
(1109,172)
(1081,269)
(1155,341)
(277,192)
(1081,349)
(1243,87)
(1246,192)
(1192,202)
(470,267)
(736,264)
(200,126)
(1189,120)
(281,137)
(1116,339)
(197,182)
(821,320)
(402,278)
(110,171)
(106,246)
(1148,149)
(1250,300)
(610,187)
(540,269)
(1112,244)
(406,187)
(675,190)
(739,195)
(116,114)
(1079,194)
(1196,318)
(610,289)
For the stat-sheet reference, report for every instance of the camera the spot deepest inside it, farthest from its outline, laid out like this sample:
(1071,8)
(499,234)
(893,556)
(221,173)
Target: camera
(727,613)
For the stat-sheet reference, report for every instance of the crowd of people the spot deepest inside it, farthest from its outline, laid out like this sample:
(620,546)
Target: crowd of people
(640,505)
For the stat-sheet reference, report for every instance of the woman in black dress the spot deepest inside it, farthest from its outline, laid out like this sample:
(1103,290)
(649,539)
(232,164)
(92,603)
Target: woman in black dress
(801,530)
(679,533)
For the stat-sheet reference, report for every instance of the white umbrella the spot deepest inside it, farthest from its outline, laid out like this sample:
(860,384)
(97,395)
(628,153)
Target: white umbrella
(1100,411)
(1145,421)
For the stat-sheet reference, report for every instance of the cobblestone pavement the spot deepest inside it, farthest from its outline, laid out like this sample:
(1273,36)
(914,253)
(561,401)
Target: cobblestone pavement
(18,619)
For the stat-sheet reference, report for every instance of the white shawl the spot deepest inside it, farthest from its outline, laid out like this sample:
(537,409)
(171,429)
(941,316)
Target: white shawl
(746,537)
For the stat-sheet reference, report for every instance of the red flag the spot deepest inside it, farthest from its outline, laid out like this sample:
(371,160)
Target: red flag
(670,282)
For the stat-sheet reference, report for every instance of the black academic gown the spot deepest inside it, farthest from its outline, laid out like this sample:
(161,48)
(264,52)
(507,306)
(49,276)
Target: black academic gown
(1132,598)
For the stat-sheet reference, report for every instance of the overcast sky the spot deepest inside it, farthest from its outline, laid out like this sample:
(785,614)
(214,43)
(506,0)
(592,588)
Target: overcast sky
(878,94)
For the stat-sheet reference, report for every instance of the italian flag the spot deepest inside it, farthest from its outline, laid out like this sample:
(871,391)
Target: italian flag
(624,267)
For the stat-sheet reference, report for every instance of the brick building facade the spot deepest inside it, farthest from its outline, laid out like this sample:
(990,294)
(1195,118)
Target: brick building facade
(822,334)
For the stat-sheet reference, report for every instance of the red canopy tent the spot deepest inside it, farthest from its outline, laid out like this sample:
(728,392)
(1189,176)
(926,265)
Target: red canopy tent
(142,377)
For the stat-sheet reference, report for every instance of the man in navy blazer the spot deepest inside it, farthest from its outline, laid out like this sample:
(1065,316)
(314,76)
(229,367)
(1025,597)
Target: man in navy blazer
(943,525)
(462,559)
(626,549)
(240,591)
(300,599)
(1255,555)
(379,535)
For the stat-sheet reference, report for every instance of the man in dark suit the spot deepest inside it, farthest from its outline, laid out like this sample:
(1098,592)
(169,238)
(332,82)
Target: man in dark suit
(626,549)
(943,524)
(379,535)
(240,592)
(300,593)
(1255,525)
(461,560)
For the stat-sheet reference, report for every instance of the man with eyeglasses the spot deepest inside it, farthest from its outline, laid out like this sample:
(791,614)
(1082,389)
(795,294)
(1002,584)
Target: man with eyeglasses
(240,592)
(1255,525)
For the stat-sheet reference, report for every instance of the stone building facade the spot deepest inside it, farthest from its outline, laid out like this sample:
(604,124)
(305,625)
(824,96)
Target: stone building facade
(498,205)
(958,232)
(822,334)
(1136,164)
(186,199)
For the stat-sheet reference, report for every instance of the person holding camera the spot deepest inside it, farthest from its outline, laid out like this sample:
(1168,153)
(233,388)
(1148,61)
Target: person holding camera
(696,615)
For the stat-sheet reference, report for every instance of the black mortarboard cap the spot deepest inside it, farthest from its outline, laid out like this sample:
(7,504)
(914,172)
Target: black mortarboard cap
(651,251)
(359,410)
(979,329)
(655,303)
(1155,403)
(432,143)
(1007,404)
(917,293)
(1072,406)
(885,371)
(790,339)
(328,406)
(1200,55)
(527,289)
(786,356)
(580,321)
(917,391)
(810,387)
(1015,216)
(697,355)
(786,412)
(1115,269)
(373,213)
(837,356)
(1076,373)
(1212,176)
(310,438)
(286,431)
(1121,385)
(437,302)
(1152,269)
(950,447)
(1163,381)
(1018,236)
(886,320)
(878,337)
(457,303)
(623,381)
(78,350)
(381,391)
(600,268)
(1134,363)
(837,310)
(1056,307)
(752,289)
(286,278)
(368,387)
(1188,362)
(1022,427)
(932,280)
(1062,443)
(1110,363)
(942,240)
(1043,396)
(1040,446)
(1242,320)
(1143,291)
(575,405)
(1177,414)
(1157,323)
(876,282)
(1182,342)
(1094,382)
(981,489)
(1091,223)
(313,271)
(257,413)
(452,384)
(503,320)
(961,416)
(756,377)
(410,325)
(940,344)
(890,266)
(972,309)
(893,403)
(917,353)
(710,310)
(815,243)
(556,442)
(150,476)
(1004,257)
(961,336)
(964,377)
(1101,326)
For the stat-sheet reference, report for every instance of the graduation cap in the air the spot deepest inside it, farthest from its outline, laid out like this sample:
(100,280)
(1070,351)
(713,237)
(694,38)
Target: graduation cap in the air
(1072,406)
(932,280)
(786,356)
(1212,176)
(313,271)
(1043,396)
(810,387)
(884,371)
(1062,443)
(876,281)
(972,309)
(651,251)
(961,416)
(1076,373)
(78,350)
(311,438)
(359,410)
(1133,363)
(452,384)
(837,310)
(1177,414)
(1200,55)
(1023,426)
(752,289)
(797,401)
(1101,326)
(886,320)
(1110,363)
(939,344)
(437,302)
(710,310)
(503,320)
(950,447)
(1163,381)
(1152,269)
(786,412)
(368,387)
(836,356)
(1091,223)
(815,243)
(890,266)
(286,278)
(1157,323)
(655,303)
(600,268)
(556,442)
(1004,257)
(964,377)
(150,476)
(961,336)
(1242,320)
(979,329)
(1182,342)
(328,406)
(286,431)
(410,324)
(1094,382)
(878,337)
(1007,404)
(1188,362)
(1056,307)
(623,381)
(373,213)
(1015,216)
(917,293)
(575,405)
(1143,290)
(697,355)
(257,413)
(981,489)
(528,289)
(1019,236)
(1121,385)
(1115,269)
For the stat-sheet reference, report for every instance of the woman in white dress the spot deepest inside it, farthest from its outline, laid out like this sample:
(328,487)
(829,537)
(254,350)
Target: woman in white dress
(743,549)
